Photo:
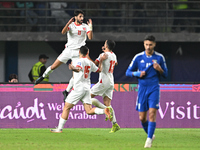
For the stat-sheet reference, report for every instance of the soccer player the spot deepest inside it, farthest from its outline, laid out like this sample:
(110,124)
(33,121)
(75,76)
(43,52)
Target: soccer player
(82,70)
(105,85)
(148,66)
(77,33)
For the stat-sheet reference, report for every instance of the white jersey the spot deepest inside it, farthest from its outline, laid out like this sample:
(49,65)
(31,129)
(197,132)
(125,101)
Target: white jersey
(106,74)
(77,35)
(82,78)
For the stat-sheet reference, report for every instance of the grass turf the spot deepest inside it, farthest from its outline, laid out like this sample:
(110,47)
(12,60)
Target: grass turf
(97,139)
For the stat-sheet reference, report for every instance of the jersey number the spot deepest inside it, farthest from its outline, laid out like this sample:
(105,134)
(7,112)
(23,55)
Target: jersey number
(112,65)
(79,32)
(86,71)
(148,64)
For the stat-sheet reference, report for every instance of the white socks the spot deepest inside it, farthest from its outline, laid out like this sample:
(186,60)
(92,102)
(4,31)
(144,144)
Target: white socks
(70,85)
(99,111)
(97,103)
(114,118)
(61,123)
(47,72)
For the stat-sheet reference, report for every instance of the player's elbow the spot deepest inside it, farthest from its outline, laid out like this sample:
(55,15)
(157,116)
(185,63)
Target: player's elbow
(128,73)
(63,32)
(90,38)
(165,74)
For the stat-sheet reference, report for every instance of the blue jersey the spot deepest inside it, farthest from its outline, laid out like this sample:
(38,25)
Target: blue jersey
(142,62)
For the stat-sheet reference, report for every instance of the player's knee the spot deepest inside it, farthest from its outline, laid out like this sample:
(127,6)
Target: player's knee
(142,119)
(66,108)
(89,112)
(152,117)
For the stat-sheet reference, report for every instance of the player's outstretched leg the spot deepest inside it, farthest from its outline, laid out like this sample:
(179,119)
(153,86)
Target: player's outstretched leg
(46,73)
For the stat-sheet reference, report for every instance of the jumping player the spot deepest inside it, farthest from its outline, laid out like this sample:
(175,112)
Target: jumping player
(82,70)
(77,33)
(105,85)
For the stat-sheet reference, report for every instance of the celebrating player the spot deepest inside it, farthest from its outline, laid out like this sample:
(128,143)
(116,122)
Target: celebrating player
(148,66)
(105,85)
(76,34)
(81,91)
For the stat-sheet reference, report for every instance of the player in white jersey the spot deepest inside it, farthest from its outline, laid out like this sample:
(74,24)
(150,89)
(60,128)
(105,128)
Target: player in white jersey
(82,70)
(77,33)
(105,85)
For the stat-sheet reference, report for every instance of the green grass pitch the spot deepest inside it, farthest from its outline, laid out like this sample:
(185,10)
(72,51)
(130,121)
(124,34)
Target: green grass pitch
(97,139)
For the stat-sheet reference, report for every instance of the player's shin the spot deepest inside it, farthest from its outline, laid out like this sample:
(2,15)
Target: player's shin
(114,118)
(97,103)
(151,129)
(99,111)
(145,126)
(47,72)
(61,123)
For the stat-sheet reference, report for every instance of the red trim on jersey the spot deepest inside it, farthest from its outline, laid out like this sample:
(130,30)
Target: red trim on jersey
(79,66)
(100,81)
(68,28)
(88,32)
(97,70)
(97,60)
(77,24)
(72,88)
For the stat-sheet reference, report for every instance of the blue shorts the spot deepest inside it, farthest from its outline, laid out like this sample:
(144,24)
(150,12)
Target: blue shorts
(148,97)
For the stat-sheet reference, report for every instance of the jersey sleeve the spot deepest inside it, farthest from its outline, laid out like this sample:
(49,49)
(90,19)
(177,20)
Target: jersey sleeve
(79,64)
(69,27)
(87,29)
(116,59)
(132,67)
(164,67)
(94,68)
(98,59)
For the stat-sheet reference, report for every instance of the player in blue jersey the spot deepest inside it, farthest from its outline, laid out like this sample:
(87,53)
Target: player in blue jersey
(148,66)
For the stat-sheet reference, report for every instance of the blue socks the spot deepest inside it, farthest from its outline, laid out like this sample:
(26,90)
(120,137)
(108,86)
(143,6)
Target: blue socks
(149,128)
(145,126)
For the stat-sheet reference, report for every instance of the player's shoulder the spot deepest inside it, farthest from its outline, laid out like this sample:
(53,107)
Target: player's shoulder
(84,24)
(138,55)
(159,54)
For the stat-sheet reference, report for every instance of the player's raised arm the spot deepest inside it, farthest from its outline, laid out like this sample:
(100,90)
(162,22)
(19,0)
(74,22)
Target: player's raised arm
(66,28)
(90,33)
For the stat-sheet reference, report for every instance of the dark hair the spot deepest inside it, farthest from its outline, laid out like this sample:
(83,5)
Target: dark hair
(84,50)
(110,44)
(150,38)
(43,56)
(77,12)
(12,76)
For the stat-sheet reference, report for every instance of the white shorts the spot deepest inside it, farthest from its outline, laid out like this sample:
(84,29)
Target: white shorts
(68,54)
(79,94)
(103,90)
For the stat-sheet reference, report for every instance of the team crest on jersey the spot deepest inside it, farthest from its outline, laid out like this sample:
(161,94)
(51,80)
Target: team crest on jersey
(79,63)
(84,29)
(154,61)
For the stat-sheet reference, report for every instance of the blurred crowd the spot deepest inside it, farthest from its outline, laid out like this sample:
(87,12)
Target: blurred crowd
(151,16)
